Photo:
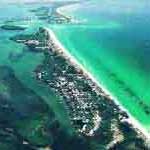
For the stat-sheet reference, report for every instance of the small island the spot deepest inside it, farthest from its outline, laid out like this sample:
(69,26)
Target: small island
(51,17)
(12,27)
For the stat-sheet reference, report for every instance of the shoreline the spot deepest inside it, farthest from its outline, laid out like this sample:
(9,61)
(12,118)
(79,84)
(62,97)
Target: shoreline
(131,120)
(59,11)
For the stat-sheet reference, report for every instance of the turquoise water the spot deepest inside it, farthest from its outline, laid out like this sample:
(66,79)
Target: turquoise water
(113,42)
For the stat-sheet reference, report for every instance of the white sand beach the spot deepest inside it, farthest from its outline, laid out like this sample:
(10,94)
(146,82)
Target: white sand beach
(135,123)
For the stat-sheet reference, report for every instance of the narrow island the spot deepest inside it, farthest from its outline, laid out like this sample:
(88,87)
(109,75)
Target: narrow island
(92,112)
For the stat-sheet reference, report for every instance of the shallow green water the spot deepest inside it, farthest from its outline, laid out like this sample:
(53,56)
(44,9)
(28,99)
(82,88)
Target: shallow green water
(113,44)
(26,63)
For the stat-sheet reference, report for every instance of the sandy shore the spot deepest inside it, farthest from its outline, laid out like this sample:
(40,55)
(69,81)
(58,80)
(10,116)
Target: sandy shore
(135,123)
(68,6)
(60,11)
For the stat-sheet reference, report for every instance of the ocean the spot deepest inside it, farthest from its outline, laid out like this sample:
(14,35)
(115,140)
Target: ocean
(112,41)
